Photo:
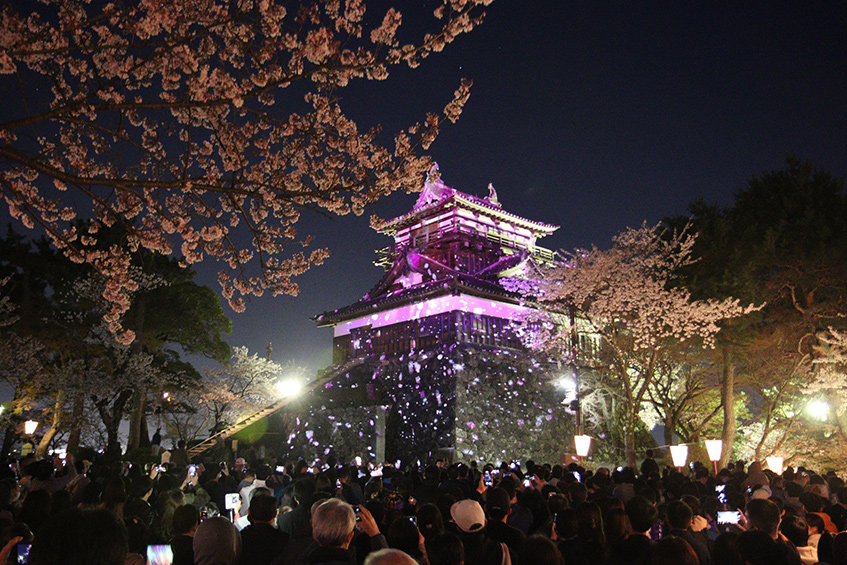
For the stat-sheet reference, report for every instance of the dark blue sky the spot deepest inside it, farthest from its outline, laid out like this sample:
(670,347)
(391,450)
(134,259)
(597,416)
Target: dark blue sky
(594,116)
(591,115)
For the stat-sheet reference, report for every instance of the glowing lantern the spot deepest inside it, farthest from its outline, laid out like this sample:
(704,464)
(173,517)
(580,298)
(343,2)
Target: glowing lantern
(775,463)
(679,454)
(714,447)
(30,426)
(583,444)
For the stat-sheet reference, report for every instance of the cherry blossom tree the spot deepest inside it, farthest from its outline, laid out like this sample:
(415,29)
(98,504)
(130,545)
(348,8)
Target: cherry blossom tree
(625,296)
(224,395)
(205,128)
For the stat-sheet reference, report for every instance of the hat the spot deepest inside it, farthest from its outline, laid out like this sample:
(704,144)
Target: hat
(468,516)
(240,461)
(497,500)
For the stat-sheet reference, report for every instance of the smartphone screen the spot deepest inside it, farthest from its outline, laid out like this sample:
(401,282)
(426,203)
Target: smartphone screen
(159,555)
(729,516)
(22,552)
(231,500)
(486,480)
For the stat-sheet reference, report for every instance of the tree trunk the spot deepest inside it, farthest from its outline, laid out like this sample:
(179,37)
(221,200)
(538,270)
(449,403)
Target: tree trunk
(41,450)
(134,439)
(629,441)
(8,440)
(728,400)
(76,424)
(670,426)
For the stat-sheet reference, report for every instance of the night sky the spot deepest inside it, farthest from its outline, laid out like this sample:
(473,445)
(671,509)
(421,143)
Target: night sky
(590,115)
(593,116)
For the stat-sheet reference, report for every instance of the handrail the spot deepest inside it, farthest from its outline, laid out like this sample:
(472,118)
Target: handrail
(212,440)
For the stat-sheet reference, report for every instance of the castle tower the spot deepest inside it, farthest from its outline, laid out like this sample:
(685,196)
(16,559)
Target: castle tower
(428,360)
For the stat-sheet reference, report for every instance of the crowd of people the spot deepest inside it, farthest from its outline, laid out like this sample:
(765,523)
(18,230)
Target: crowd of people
(256,512)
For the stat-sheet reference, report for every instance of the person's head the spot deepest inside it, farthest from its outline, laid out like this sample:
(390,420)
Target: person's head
(430,521)
(333,523)
(815,523)
(404,535)
(497,504)
(445,549)
(763,515)
(389,557)
(679,515)
(304,491)
(673,550)
(186,519)
(262,506)
(649,453)
(539,550)
(81,537)
(640,513)
(468,516)
(216,542)
(796,530)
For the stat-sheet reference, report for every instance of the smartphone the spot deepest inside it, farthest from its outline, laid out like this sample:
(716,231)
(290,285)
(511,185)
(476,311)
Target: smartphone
(486,479)
(231,500)
(414,519)
(159,555)
(527,483)
(729,516)
(578,476)
(192,470)
(337,484)
(357,511)
(22,551)
(280,469)
(203,515)
(719,488)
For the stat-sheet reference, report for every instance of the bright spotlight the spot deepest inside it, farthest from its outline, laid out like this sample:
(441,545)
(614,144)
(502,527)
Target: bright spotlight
(818,409)
(289,387)
(566,383)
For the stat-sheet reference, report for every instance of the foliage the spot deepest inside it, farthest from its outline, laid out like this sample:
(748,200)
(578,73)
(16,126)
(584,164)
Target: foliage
(781,243)
(624,297)
(206,127)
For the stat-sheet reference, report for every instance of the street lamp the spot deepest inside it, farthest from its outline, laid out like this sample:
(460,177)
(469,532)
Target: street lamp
(714,447)
(30,427)
(818,409)
(775,463)
(289,387)
(679,454)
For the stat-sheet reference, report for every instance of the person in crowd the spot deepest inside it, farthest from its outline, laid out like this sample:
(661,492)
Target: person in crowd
(445,549)
(469,522)
(764,515)
(186,519)
(81,537)
(179,455)
(430,521)
(403,534)
(216,542)
(649,465)
(672,550)
(389,557)
(498,509)
(679,517)
(539,550)
(637,547)
(333,529)
(261,542)
(295,524)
